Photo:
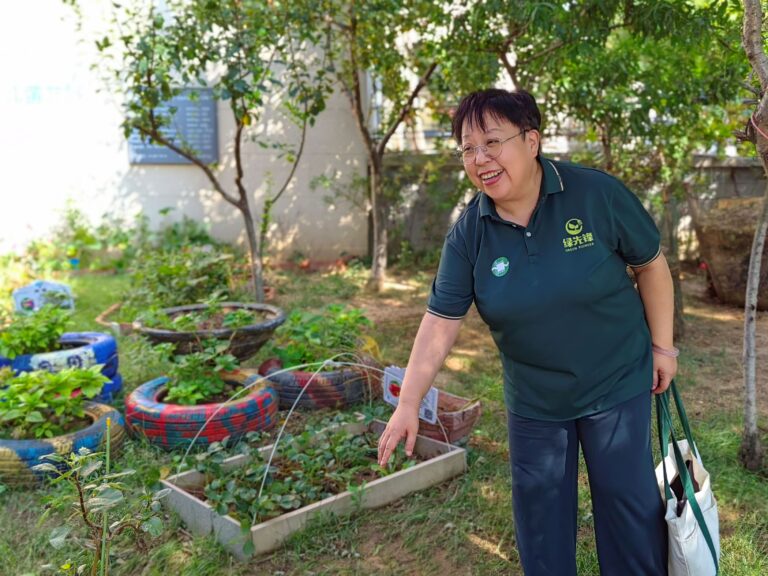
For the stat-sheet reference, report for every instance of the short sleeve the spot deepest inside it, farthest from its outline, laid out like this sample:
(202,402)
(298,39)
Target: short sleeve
(453,288)
(636,237)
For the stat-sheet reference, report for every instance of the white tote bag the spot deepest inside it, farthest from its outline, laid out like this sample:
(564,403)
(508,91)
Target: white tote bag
(691,508)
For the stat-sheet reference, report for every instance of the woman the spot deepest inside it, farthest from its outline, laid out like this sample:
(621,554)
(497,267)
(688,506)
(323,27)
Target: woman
(542,251)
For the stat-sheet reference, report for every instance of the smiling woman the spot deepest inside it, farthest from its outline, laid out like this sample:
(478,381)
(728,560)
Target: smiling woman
(545,245)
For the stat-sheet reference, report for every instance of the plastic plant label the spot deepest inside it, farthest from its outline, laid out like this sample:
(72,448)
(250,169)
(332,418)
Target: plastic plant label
(393,380)
(34,296)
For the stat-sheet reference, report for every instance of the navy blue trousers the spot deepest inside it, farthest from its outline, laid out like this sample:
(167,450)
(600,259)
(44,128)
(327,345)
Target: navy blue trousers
(628,511)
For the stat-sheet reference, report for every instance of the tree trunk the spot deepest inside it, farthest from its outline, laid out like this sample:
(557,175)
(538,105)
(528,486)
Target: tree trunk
(379,214)
(257,281)
(751,452)
(605,140)
(669,237)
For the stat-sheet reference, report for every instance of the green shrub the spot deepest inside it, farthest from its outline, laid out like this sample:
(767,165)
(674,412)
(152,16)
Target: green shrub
(307,337)
(41,404)
(34,333)
(195,378)
(171,278)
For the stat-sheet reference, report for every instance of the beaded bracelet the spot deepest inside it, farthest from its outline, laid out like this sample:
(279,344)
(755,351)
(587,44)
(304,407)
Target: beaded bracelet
(674,353)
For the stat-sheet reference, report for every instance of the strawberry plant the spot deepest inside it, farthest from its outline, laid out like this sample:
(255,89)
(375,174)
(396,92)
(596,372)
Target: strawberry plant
(34,333)
(195,378)
(310,466)
(43,404)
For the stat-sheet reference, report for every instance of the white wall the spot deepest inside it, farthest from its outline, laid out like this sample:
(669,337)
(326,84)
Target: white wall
(60,138)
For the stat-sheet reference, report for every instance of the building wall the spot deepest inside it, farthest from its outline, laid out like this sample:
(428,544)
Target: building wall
(60,139)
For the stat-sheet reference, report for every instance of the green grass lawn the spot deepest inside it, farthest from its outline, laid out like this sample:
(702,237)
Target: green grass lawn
(463,525)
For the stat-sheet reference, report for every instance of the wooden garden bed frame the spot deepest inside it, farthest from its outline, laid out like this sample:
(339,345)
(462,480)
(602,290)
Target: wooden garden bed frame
(442,462)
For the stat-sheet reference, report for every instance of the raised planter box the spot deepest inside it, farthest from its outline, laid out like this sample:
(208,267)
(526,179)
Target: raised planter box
(456,416)
(443,462)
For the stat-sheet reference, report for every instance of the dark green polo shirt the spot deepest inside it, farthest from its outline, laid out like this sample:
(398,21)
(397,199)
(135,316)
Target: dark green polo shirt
(568,322)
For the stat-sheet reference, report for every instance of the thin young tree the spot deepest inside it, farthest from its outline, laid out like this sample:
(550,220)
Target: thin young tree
(751,452)
(252,55)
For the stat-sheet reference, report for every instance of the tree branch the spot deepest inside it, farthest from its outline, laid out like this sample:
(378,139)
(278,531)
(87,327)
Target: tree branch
(406,109)
(355,96)
(752,39)
(83,510)
(155,134)
(511,70)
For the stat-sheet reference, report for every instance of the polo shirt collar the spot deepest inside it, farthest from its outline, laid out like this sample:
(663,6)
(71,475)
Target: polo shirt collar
(551,183)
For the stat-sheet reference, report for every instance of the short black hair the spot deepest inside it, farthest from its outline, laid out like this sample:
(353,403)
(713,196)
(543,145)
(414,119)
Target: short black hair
(517,107)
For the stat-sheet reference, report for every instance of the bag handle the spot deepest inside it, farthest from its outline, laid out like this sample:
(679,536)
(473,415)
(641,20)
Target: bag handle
(664,418)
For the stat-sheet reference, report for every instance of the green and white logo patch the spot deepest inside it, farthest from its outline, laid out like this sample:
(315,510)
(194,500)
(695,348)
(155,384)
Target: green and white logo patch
(500,267)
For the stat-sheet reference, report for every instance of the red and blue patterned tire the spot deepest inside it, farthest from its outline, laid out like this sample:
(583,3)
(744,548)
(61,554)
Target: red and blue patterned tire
(334,389)
(172,425)
(17,457)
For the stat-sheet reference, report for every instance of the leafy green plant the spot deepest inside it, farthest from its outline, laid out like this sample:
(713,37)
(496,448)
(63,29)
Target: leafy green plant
(196,377)
(172,278)
(312,337)
(34,333)
(104,504)
(44,404)
(214,315)
(311,466)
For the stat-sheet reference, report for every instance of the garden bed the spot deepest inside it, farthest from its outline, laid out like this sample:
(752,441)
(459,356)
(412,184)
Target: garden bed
(440,462)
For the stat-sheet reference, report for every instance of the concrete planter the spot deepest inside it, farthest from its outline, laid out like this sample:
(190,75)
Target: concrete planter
(443,462)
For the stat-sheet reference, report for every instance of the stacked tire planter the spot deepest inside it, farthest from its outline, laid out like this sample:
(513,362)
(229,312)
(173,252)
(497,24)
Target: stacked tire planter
(173,425)
(17,457)
(78,350)
(332,389)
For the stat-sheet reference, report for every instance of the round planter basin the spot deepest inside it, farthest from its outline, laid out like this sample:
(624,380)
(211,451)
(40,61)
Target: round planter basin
(244,342)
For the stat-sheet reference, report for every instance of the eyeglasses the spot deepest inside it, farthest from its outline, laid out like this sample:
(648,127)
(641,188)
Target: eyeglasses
(491,149)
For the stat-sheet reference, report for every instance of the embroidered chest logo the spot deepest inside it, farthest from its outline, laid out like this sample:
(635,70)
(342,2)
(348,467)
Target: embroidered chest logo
(500,267)
(577,238)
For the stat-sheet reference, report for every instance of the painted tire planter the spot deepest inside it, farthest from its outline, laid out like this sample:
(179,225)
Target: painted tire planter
(244,342)
(173,425)
(333,389)
(17,457)
(78,350)
(457,415)
(111,389)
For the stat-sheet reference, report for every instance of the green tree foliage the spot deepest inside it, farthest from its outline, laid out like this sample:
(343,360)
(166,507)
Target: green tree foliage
(398,49)
(250,53)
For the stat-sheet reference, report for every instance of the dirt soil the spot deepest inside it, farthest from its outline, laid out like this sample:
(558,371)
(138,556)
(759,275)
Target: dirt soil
(712,351)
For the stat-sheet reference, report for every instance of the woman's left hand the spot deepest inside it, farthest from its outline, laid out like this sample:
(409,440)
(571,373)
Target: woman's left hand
(664,369)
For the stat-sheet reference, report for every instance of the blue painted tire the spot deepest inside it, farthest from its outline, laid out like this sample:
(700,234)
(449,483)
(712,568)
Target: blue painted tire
(17,457)
(111,367)
(79,350)
(172,425)
(110,390)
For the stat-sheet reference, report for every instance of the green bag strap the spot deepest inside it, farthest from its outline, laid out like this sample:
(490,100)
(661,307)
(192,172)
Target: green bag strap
(685,477)
(683,418)
(663,428)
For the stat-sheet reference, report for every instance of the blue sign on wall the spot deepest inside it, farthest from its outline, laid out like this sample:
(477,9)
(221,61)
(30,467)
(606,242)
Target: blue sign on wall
(194,125)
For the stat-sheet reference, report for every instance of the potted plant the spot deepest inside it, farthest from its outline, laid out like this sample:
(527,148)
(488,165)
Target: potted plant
(39,342)
(44,413)
(336,334)
(245,327)
(201,399)
(168,275)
